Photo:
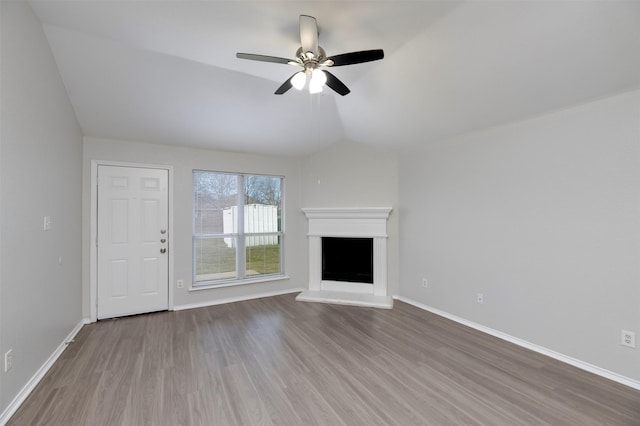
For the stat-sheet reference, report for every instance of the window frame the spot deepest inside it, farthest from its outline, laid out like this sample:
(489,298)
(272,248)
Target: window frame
(240,235)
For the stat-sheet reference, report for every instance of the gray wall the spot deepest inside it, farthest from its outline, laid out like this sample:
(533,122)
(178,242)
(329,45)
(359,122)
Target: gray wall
(184,161)
(350,174)
(543,217)
(40,173)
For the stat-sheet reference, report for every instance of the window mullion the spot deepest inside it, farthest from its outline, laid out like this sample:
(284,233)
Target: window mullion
(241,252)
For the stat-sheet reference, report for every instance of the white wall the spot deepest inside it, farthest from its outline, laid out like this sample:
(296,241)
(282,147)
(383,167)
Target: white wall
(543,217)
(40,174)
(350,174)
(184,161)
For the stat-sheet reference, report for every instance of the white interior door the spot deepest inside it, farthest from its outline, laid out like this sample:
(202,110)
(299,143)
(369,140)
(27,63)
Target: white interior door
(133,234)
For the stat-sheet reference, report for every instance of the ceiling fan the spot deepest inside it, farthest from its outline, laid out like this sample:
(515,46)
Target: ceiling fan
(313,59)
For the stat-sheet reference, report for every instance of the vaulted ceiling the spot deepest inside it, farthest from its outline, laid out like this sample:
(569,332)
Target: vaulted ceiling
(166,71)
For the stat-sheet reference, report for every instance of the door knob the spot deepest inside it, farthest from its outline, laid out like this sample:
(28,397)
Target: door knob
(163,250)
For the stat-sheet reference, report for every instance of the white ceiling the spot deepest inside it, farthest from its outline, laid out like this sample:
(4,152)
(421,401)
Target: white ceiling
(166,71)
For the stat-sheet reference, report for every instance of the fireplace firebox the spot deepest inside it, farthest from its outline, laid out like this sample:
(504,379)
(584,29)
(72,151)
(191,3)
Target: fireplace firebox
(347,259)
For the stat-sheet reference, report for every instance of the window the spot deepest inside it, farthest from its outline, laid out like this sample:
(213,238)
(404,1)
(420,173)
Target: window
(237,227)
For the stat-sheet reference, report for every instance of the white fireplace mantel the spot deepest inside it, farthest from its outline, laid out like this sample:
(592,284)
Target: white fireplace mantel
(348,213)
(354,222)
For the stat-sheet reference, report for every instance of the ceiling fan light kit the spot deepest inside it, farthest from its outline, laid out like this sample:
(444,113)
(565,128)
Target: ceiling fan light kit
(299,80)
(313,59)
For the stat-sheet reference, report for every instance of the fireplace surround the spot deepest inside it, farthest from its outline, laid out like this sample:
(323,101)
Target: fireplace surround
(355,223)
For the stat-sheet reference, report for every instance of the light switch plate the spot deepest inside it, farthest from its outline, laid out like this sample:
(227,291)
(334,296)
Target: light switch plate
(46,225)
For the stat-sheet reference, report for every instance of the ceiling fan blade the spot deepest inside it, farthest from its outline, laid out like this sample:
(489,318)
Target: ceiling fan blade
(335,84)
(285,86)
(309,34)
(357,57)
(264,58)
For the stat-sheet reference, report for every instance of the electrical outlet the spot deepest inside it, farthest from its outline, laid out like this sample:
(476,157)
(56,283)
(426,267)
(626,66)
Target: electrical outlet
(8,360)
(180,283)
(628,338)
(425,283)
(480,298)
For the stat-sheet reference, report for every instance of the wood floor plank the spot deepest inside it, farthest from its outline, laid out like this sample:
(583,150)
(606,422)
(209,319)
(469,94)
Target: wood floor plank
(275,361)
(333,385)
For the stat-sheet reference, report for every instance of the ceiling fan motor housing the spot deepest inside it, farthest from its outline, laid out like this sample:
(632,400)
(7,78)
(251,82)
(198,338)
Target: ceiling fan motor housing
(311,61)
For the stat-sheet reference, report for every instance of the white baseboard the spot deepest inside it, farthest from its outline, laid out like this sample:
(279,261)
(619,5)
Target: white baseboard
(528,345)
(33,382)
(236,299)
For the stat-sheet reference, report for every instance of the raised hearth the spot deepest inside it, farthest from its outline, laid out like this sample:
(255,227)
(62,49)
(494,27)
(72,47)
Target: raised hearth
(349,223)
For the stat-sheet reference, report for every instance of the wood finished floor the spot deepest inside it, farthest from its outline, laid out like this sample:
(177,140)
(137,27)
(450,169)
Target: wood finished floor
(281,362)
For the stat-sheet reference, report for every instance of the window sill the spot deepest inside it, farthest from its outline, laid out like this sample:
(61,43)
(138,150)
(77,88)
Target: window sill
(239,282)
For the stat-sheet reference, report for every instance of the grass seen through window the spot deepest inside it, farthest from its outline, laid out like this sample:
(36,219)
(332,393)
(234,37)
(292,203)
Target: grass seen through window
(216,259)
